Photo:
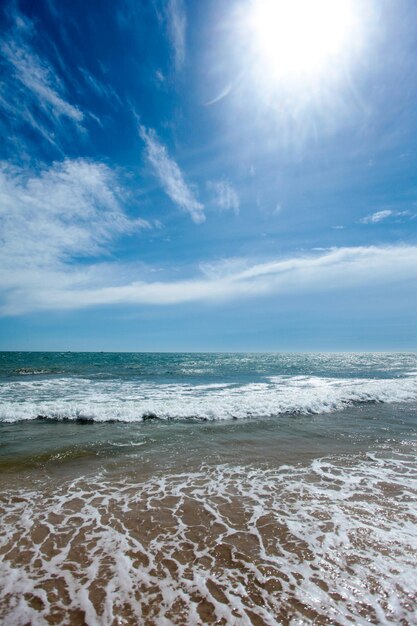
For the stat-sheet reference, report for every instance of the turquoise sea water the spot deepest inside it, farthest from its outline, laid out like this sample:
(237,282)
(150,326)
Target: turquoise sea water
(131,387)
(208,488)
(128,397)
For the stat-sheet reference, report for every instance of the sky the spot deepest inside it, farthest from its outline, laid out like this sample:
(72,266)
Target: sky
(179,175)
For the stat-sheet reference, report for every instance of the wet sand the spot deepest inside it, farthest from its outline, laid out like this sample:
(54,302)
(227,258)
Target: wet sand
(224,524)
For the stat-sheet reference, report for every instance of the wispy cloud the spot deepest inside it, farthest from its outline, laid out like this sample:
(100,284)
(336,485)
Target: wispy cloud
(343,268)
(40,80)
(374,218)
(379,216)
(103,90)
(225,196)
(170,175)
(32,92)
(177,24)
(47,220)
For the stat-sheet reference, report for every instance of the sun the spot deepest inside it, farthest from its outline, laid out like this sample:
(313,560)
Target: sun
(296,39)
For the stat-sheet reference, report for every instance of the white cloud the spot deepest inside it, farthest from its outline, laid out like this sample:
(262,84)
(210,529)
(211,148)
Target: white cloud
(177,24)
(225,196)
(31,92)
(71,210)
(160,78)
(337,269)
(224,267)
(376,217)
(170,175)
(40,81)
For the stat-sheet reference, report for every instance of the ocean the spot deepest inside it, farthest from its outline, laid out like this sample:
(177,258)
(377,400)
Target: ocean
(227,489)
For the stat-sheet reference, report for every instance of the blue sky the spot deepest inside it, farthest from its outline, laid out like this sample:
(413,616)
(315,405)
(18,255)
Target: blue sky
(168,183)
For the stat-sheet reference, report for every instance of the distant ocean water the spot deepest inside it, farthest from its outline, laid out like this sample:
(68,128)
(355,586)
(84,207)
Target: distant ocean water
(208,488)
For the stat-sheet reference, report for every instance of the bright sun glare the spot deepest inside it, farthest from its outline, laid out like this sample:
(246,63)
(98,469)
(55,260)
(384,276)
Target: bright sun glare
(300,38)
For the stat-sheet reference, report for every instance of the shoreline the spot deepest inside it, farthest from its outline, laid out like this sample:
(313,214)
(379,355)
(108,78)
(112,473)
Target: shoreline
(261,545)
(300,517)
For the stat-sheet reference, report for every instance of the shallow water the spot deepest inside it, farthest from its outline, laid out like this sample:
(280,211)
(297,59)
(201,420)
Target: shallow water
(287,496)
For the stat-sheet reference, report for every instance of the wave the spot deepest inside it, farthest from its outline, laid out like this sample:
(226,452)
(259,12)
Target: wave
(28,371)
(83,400)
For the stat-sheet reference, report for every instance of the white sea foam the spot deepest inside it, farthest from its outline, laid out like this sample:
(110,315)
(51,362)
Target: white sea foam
(334,542)
(130,401)
(27,371)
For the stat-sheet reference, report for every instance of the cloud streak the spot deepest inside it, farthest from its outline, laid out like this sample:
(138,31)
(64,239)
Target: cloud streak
(43,85)
(170,175)
(32,92)
(177,25)
(103,90)
(342,268)
(379,216)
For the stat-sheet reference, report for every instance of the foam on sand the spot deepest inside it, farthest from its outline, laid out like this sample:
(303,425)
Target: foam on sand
(333,542)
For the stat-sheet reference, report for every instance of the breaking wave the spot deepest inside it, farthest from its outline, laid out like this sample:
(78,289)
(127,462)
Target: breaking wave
(87,400)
